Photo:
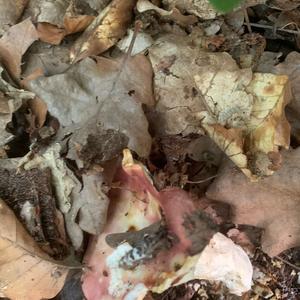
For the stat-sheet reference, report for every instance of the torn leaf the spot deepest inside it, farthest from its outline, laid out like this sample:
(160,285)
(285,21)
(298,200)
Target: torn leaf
(10,13)
(92,204)
(95,96)
(174,15)
(201,8)
(104,32)
(29,194)
(251,134)
(271,203)
(11,100)
(14,43)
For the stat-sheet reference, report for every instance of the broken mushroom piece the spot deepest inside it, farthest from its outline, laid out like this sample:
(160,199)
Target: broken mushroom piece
(148,239)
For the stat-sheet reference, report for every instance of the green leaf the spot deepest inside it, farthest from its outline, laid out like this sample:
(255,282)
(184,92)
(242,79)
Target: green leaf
(225,5)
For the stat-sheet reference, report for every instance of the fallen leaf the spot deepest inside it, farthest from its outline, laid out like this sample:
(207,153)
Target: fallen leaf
(284,5)
(10,12)
(50,33)
(50,61)
(51,11)
(174,15)
(14,44)
(222,260)
(104,31)
(90,204)
(29,194)
(56,19)
(39,110)
(174,62)
(188,81)
(272,203)
(256,130)
(201,8)
(84,206)
(26,272)
(11,99)
(291,67)
(97,106)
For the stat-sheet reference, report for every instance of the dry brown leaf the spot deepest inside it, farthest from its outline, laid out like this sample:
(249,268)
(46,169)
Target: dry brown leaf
(25,271)
(11,100)
(284,4)
(50,33)
(44,60)
(80,100)
(56,19)
(201,8)
(39,109)
(174,15)
(175,61)
(272,203)
(291,67)
(105,30)
(198,90)
(11,11)
(90,205)
(14,44)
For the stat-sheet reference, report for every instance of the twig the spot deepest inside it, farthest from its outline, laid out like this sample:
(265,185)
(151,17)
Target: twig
(272,28)
(203,180)
(287,263)
(247,18)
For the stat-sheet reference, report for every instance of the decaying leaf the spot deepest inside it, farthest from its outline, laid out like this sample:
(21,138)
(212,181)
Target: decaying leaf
(198,90)
(84,207)
(14,44)
(222,260)
(272,203)
(291,67)
(141,43)
(29,194)
(144,257)
(25,272)
(56,19)
(90,204)
(174,15)
(96,96)
(175,62)
(204,8)
(105,30)
(50,61)
(201,8)
(284,5)
(10,12)
(11,99)
(256,130)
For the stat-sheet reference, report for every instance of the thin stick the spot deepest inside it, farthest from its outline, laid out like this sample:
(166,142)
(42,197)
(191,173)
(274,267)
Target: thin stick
(272,27)
(247,19)
(203,180)
(287,263)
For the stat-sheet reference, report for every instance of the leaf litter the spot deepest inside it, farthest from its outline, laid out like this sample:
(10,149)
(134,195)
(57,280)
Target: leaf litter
(146,144)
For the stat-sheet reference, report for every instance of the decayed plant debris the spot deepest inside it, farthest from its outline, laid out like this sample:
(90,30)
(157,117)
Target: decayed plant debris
(145,149)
